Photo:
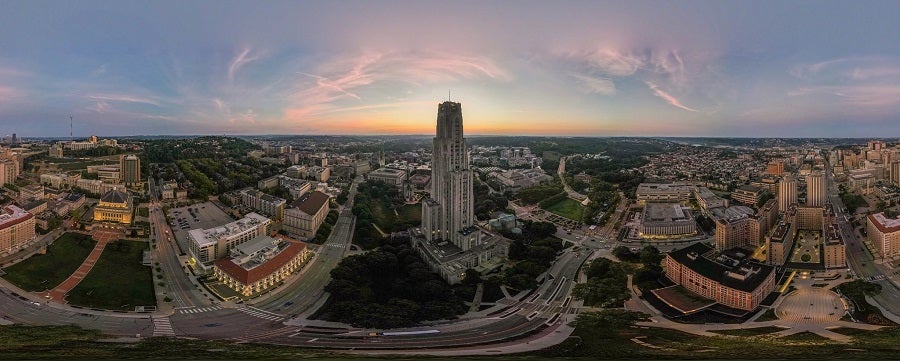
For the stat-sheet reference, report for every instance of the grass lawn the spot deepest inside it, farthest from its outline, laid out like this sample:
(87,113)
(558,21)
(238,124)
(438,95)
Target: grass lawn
(389,222)
(568,208)
(118,281)
(383,215)
(45,271)
(410,213)
(143,212)
(748,332)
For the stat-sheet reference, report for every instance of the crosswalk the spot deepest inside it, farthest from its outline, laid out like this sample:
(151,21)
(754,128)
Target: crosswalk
(162,327)
(191,310)
(263,314)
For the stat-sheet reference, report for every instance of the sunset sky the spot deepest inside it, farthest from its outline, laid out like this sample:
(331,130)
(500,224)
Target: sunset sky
(678,68)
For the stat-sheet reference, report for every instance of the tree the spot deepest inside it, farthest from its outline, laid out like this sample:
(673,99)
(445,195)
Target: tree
(624,254)
(650,256)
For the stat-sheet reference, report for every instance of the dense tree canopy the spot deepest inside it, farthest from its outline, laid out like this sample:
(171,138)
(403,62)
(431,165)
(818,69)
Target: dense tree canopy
(387,288)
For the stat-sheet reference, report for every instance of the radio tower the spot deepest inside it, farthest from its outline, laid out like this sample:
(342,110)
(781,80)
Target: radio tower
(70,129)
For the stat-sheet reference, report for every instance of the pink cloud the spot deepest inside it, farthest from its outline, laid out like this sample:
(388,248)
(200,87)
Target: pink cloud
(353,82)
(667,97)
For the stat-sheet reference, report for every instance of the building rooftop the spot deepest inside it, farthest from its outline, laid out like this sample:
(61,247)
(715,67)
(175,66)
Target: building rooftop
(885,224)
(741,274)
(833,234)
(780,234)
(204,237)
(265,197)
(665,212)
(386,171)
(266,255)
(12,215)
(732,213)
(311,202)
(115,196)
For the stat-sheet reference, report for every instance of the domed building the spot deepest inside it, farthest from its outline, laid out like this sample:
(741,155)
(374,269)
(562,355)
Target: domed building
(115,206)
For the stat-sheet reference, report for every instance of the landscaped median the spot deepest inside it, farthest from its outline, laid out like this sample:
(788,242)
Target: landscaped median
(45,271)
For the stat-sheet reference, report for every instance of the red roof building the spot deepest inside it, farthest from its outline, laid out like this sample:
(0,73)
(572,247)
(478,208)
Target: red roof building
(260,264)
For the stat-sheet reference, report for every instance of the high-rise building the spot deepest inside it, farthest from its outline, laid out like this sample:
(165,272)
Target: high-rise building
(815,189)
(9,171)
(449,213)
(130,169)
(787,193)
(895,173)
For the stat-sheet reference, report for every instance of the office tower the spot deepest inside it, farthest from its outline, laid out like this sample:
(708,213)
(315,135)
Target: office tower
(815,189)
(449,213)
(787,193)
(130,168)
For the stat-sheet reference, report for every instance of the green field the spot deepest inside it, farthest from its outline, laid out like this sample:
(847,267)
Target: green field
(45,271)
(568,208)
(118,281)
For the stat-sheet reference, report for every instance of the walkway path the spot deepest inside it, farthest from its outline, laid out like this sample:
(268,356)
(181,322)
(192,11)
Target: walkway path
(58,294)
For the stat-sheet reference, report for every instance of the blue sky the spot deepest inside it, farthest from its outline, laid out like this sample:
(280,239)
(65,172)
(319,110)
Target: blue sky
(686,68)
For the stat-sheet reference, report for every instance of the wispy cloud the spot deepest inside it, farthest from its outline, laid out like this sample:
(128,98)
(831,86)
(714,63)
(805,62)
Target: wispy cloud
(668,97)
(856,95)
(596,85)
(239,61)
(102,69)
(359,81)
(123,98)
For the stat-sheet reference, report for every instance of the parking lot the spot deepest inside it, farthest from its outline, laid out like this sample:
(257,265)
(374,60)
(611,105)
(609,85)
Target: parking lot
(201,215)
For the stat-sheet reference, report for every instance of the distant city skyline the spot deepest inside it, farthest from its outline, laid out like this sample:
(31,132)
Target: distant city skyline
(637,68)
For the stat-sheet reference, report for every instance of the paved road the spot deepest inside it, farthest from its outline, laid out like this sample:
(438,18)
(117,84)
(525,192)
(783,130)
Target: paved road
(30,309)
(562,177)
(179,286)
(305,292)
(858,257)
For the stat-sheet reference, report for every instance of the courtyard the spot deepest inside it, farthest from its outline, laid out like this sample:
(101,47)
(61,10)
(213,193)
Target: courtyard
(807,247)
(809,304)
